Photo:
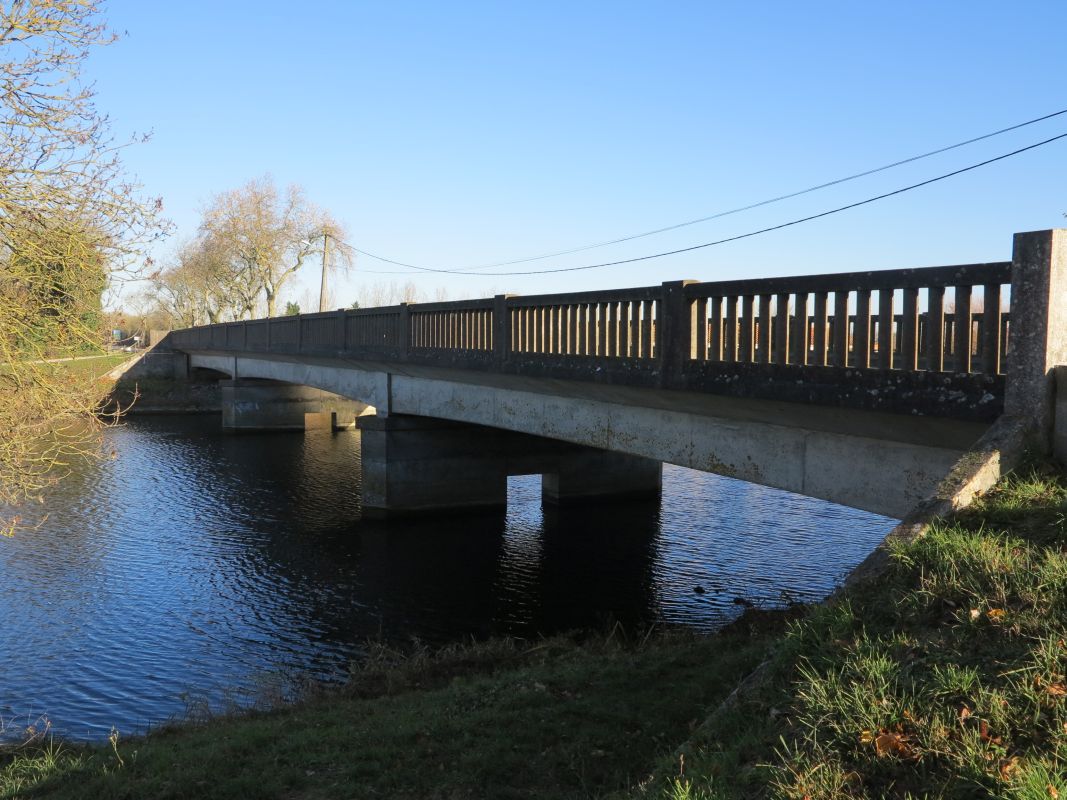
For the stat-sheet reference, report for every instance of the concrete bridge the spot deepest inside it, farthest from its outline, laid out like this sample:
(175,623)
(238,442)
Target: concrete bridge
(861,388)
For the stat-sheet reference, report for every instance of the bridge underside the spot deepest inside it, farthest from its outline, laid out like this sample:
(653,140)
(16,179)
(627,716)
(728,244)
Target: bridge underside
(884,463)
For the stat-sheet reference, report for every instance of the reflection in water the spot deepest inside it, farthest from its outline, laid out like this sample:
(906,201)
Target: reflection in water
(198,563)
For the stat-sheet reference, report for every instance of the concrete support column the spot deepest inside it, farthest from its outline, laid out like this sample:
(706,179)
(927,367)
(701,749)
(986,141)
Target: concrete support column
(260,405)
(420,464)
(1038,337)
(588,474)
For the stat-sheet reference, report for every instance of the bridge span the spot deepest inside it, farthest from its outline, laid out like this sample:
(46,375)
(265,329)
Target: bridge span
(861,388)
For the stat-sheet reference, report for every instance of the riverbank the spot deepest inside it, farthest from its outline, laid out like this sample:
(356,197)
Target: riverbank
(562,717)
(946,677)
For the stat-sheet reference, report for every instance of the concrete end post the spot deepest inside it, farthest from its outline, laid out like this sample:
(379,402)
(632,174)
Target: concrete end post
(1038,337)
(1059,419)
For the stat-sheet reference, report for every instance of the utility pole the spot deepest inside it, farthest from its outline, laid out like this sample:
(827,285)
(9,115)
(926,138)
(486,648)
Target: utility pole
(325,268)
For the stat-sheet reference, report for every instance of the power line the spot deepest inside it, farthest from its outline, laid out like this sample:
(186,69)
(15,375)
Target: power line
(756,232)
(718,215)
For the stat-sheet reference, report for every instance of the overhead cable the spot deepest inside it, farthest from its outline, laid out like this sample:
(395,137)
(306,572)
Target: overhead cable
(748,235)
(720,214)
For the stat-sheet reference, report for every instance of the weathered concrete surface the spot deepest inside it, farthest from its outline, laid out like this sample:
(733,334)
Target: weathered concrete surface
(155,363)
(879,462)
(596,475)
(1059,427)
(1038,297)
(416,464)
(411,465)
(157,381)
(269,405)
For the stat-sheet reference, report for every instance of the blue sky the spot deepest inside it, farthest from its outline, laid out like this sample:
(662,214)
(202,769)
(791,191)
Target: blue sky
(449,134)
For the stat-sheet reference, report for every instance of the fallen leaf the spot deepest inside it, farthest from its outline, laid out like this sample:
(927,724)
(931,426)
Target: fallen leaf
(1008,767)
(1056,689)
(888,743)
(964,713)
(995,614)
(1052,791)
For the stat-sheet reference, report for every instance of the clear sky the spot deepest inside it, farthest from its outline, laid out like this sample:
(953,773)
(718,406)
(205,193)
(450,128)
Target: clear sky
(449,134)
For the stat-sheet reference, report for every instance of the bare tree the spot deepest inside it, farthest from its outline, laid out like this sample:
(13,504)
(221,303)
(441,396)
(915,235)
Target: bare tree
(266,236)
(389,294)
(204,284)
(69,220)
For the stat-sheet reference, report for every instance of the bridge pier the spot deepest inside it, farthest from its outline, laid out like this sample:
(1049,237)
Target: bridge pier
(258,405)
(591,475)
(416,464)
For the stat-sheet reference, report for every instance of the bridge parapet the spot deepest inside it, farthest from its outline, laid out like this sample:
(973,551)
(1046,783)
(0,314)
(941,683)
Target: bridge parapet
(928,341)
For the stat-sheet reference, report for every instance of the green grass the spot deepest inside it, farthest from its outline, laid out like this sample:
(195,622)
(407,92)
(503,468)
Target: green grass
(945,678)
(558,718)
(94,367)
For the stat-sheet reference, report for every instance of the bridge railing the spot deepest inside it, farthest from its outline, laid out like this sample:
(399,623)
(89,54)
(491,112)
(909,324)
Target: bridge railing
(892,320)
(943,331)
(614,324)
(460,325)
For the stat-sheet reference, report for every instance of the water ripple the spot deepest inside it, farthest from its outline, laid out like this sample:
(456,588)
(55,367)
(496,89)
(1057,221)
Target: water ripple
(195,565)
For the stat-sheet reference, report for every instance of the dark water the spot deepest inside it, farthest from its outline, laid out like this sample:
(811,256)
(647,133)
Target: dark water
(201,568)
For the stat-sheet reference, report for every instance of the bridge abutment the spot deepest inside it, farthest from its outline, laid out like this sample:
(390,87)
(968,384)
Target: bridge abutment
(258,405)
(416,465)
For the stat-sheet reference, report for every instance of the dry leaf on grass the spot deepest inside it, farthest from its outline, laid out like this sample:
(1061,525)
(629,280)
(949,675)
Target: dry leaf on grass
(888,743)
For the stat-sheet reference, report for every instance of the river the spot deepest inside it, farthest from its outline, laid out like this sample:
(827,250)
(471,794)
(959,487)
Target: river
(197,569)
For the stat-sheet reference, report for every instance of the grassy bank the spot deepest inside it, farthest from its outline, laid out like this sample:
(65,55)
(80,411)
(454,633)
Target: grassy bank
(93,366)
(946,677)
(559,718)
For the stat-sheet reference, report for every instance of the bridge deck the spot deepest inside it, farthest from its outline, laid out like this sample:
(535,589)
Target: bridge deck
(907,429)
(872,460)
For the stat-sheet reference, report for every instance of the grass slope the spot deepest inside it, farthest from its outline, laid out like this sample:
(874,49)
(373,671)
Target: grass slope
(945,678)
(557,719)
